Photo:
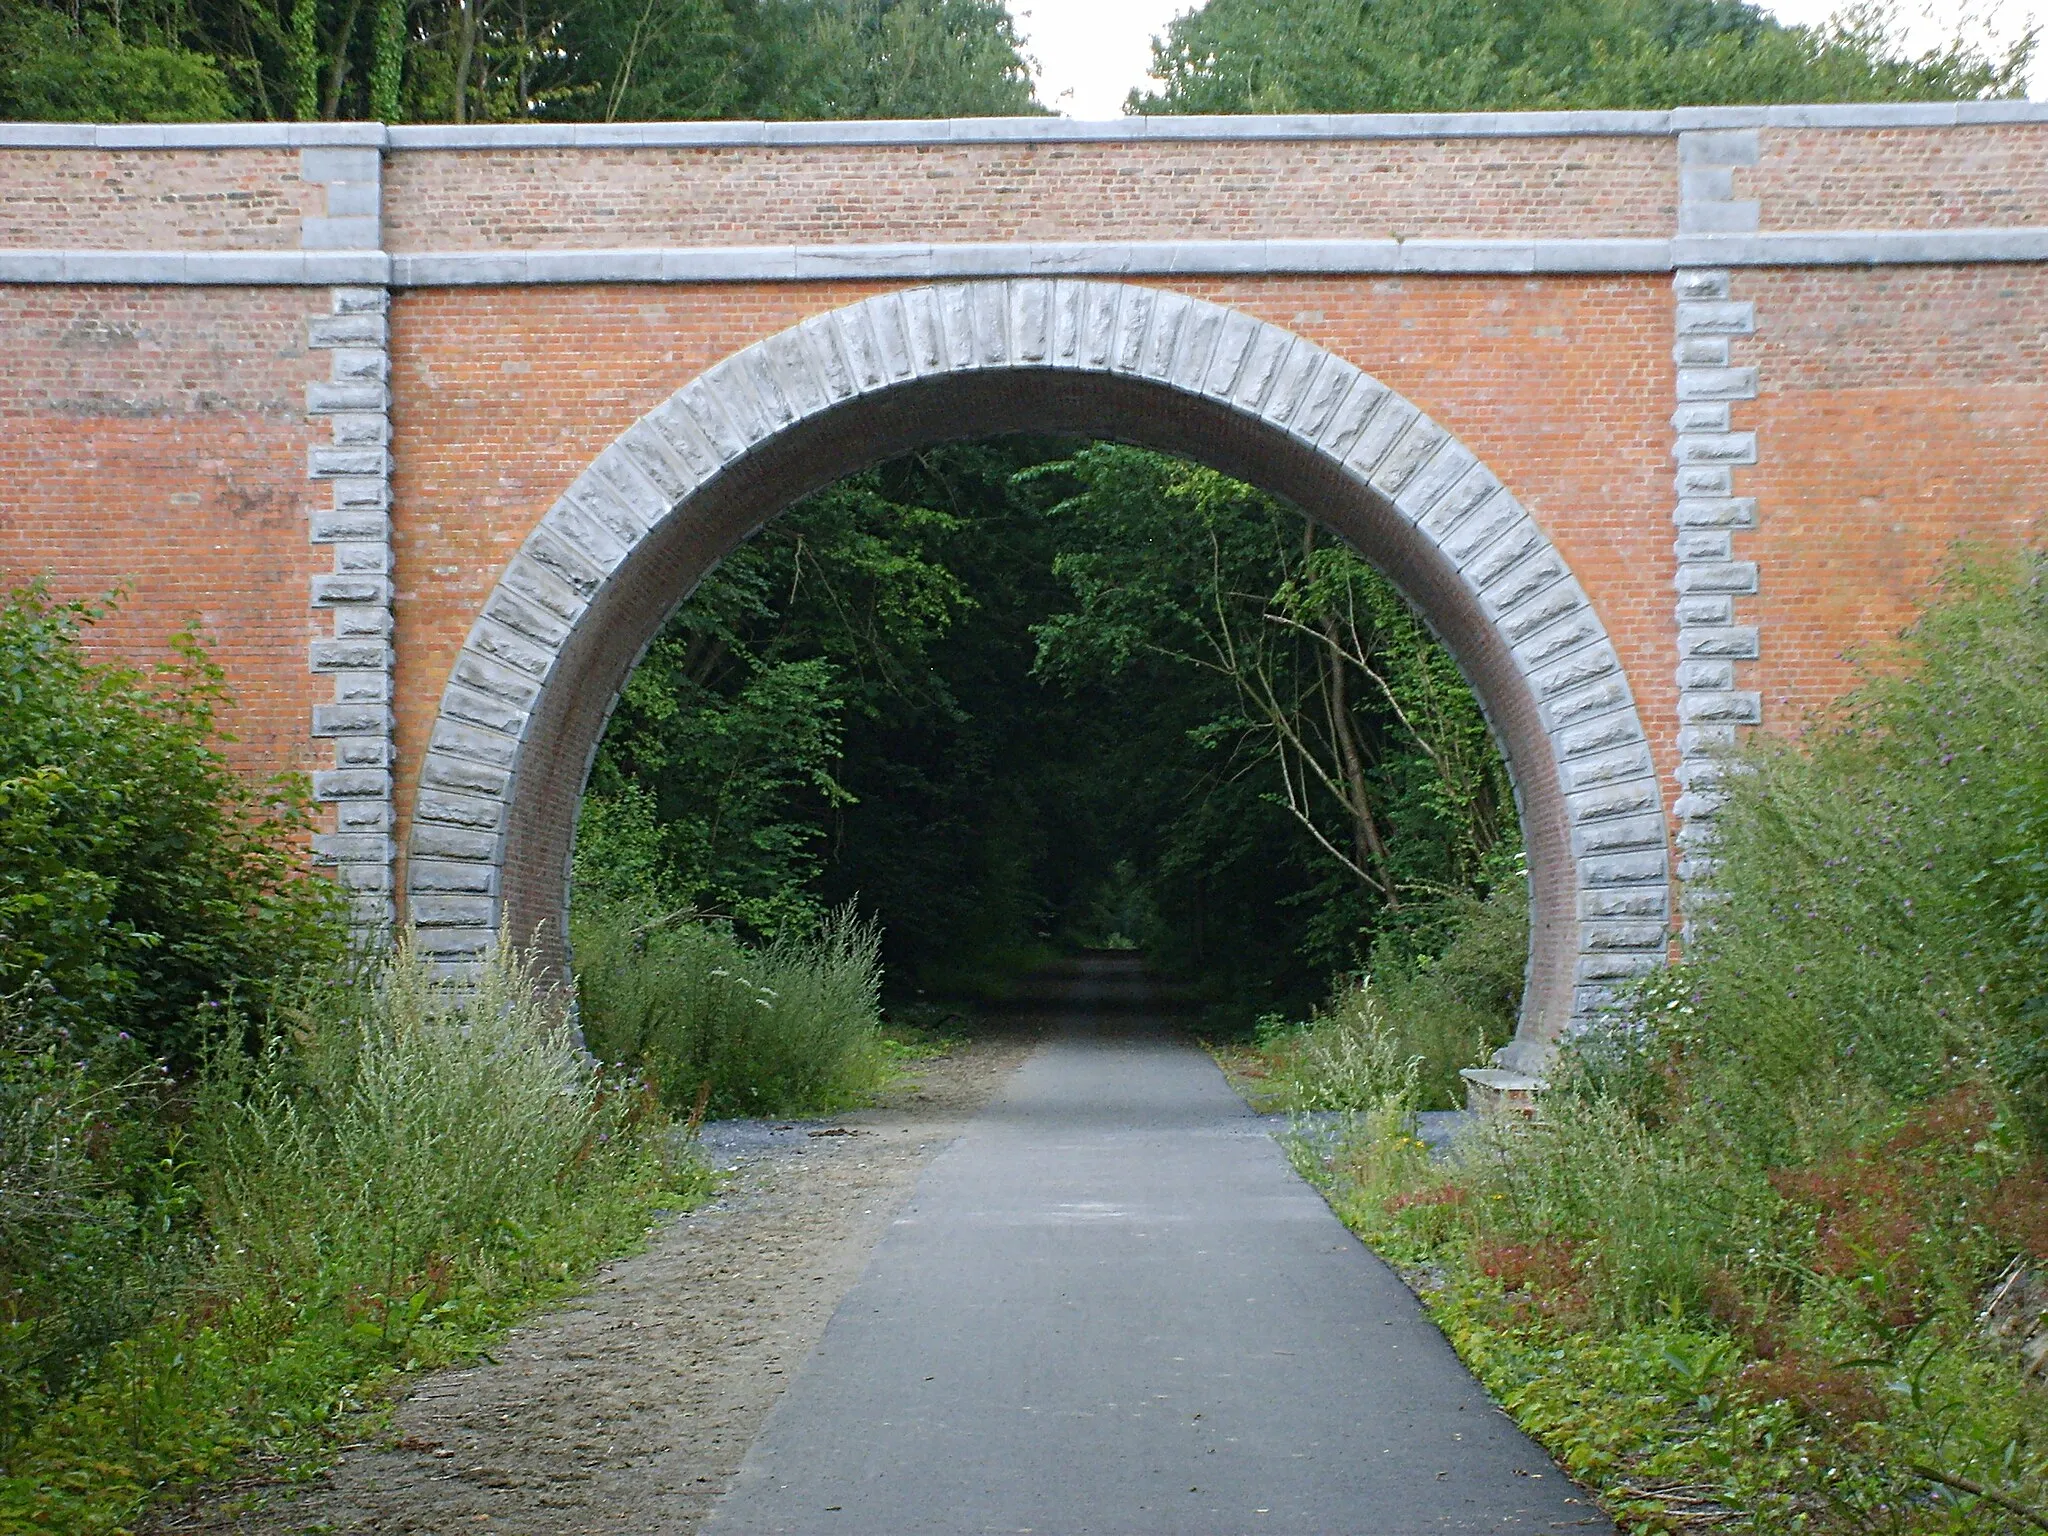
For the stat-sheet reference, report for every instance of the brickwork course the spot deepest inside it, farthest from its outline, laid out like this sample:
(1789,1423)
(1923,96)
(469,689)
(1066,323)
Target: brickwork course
(1661,419)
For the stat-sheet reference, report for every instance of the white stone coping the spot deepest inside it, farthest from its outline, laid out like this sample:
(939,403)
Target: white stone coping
(1084,258)
(997,130)
(235,269)
(193,136)
(1861,248)
(1090,258)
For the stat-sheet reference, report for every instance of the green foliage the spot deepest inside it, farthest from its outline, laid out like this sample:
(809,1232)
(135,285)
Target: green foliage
(91,1211)
(1881,911)
(1744,1248)
(55,67)
(1347,1058)
(490,61)
(903,58)
(1452,984)
(1009,732)
(139,874)
(791,1027)
(189,1273)
(1442,993)
(1323,686)
(1503,55)
(721,833)
(430,1122)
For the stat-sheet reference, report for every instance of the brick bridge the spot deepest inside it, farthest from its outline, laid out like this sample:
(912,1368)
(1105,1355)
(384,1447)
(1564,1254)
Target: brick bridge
(1656,417)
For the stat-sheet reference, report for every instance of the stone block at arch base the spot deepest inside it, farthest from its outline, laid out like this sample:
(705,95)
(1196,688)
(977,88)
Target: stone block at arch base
(570,614)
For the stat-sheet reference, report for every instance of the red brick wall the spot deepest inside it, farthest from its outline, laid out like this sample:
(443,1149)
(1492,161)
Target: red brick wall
(1563,386)
(157,439)
(155,199)
(1900,414)
(1900,178)
(557,199)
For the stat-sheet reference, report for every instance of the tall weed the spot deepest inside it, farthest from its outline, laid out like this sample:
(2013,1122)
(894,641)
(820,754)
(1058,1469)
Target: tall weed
(1455,1001)
(1347,1058)
(402,1121)
(1745,1246)
(1439,997)
(398,1170)
(792,1026)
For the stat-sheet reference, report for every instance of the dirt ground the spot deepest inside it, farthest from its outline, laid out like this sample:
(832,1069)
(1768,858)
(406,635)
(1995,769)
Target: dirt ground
(629,1409)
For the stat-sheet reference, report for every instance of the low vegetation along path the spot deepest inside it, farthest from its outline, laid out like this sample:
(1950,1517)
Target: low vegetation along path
(1111,1306)
(1064,1283)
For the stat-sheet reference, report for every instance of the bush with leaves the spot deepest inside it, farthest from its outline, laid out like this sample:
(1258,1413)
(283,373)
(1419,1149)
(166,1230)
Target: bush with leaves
(139,873)
(781,1028)
(94,1218)
(1782,1186)
(1880,918)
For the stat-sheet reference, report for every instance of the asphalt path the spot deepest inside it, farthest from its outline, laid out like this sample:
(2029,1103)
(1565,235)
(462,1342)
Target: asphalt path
(1112,1307)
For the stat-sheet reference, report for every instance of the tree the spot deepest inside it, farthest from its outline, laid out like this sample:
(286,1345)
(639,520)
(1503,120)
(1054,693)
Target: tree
(509,60)
(902,58)
(1492,55)
(56,66)
(1329,684)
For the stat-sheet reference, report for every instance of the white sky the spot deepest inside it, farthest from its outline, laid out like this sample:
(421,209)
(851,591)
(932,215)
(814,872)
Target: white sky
(1092,52)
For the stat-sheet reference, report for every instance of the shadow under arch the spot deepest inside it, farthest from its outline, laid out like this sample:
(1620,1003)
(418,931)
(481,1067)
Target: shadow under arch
(529,696)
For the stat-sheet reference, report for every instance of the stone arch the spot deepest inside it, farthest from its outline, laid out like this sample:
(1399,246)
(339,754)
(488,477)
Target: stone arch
(520,719)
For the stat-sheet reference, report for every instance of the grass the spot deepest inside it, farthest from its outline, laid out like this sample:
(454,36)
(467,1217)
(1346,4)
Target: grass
(1431,1011)
(791,1027)
(1734,1274)
(1798,1354)
(398,1173)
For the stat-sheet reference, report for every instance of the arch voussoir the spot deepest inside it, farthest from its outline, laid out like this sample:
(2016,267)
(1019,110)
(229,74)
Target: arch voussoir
(1477,566)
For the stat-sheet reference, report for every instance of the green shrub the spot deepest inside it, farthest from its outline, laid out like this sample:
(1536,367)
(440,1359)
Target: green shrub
(787,1027)
(1883,911)
(1455,1002)
(139,874)
(1745,1248)
(1441,996)
(92,1216)
(397,1172)
(1348,1058)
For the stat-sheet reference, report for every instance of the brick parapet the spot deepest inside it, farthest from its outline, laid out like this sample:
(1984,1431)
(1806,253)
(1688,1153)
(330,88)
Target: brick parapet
(827,194)
(1949,177)
(214,199)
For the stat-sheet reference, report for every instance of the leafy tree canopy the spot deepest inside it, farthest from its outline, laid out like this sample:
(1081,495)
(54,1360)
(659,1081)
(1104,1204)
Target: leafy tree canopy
(1235,56)
(508,60)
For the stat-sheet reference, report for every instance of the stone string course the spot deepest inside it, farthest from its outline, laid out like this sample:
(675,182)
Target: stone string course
(1080,258)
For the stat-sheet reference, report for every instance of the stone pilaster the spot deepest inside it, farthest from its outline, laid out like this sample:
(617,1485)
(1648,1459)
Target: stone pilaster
(1708,450)
(355,465)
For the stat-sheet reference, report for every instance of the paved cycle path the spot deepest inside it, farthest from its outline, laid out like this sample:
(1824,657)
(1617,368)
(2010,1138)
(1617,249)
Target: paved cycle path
(1112,1307)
